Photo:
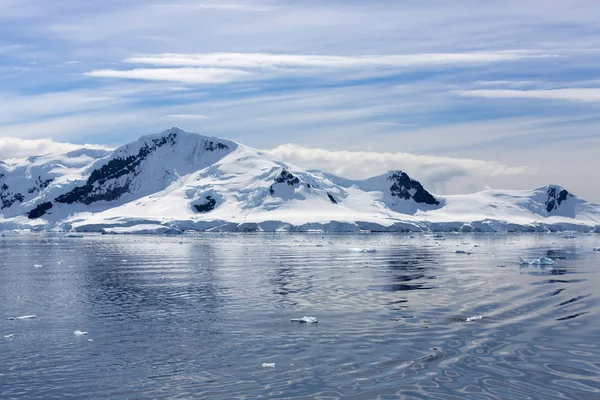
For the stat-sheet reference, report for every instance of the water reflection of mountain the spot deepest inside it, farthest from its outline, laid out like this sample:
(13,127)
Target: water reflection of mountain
(411,269)
(145,280)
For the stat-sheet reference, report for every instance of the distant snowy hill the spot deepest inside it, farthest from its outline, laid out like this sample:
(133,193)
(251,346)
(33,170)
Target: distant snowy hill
(175,181)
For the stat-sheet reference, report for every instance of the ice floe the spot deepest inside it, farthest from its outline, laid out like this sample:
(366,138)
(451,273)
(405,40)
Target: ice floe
(305,320)
(23,317)
(475,318)
(9,336)
(537,261)
(268,365)
(79,333)
(357,250)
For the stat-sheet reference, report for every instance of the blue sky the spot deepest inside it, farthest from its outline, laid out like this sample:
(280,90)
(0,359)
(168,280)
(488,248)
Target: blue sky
(461,94)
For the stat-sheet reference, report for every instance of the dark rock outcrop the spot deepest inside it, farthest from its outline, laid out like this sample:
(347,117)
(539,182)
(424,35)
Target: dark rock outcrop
(402,185)
(7,198)
(40,210)
(333,200)
(285,177)
(206,207)
(555,198)
(212,146)
(94,191)
(40,185)
(288,178)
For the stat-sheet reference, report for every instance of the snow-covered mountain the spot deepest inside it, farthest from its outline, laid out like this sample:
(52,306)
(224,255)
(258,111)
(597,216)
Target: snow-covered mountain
(175,181)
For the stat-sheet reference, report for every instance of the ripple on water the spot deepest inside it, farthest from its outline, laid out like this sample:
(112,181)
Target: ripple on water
(200,316)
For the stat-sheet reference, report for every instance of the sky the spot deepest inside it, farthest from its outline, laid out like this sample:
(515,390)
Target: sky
(462,95)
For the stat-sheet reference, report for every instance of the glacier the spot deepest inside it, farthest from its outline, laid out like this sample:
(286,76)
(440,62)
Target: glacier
(177,181)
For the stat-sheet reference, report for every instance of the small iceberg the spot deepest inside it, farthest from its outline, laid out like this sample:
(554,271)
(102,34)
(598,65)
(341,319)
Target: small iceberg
(305,320)
(79,333)
(363,250)
(475,318)
(537,261)
(23,317)
(268,365)
(73,235)
(9,336)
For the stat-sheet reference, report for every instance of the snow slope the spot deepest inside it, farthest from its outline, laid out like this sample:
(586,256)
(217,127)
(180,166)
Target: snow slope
(175,181)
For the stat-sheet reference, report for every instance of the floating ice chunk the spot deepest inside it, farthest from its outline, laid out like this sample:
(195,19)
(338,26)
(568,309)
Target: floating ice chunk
(475,318)
(463,252)
(37,265)
(356,250)
(23,317)
(74,235)
(79,333)
(9,336)
(305,320)
(538,261)
(268,365)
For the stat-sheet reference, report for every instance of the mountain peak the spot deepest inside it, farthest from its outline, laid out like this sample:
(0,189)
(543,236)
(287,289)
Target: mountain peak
(557,195)
(404,187)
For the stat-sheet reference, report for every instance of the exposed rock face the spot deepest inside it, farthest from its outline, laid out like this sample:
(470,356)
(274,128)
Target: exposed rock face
(333,200)
(40,210)
(40,185)
(406,188)
(288,178)
(556,196)
(212,146)
(209,205)
(7,198)
(97,187)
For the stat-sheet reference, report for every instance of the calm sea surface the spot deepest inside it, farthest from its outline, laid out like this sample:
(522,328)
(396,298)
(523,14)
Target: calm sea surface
(196,316)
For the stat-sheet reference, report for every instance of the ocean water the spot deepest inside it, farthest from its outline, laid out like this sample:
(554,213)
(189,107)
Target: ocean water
(208,316)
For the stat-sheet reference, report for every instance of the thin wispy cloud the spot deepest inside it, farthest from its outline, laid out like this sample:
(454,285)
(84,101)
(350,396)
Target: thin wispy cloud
(187,116)
(265,60)
(219,68)
(572,94)
(182,75)
(214,6)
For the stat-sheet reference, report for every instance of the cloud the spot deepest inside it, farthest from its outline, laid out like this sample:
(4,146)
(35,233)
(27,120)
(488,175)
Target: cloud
(214,6)
(441,174)
(571,94)
(183,75)
(266,60)
(11,147)
(187,116)
(221,68)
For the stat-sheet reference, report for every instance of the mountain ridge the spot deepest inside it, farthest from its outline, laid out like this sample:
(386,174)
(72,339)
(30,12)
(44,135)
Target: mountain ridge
(175,180)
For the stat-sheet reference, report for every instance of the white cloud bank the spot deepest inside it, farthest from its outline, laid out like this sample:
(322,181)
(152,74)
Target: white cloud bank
(444,175)
(11,147)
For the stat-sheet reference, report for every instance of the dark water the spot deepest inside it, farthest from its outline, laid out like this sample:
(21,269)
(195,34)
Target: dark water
(197,316)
